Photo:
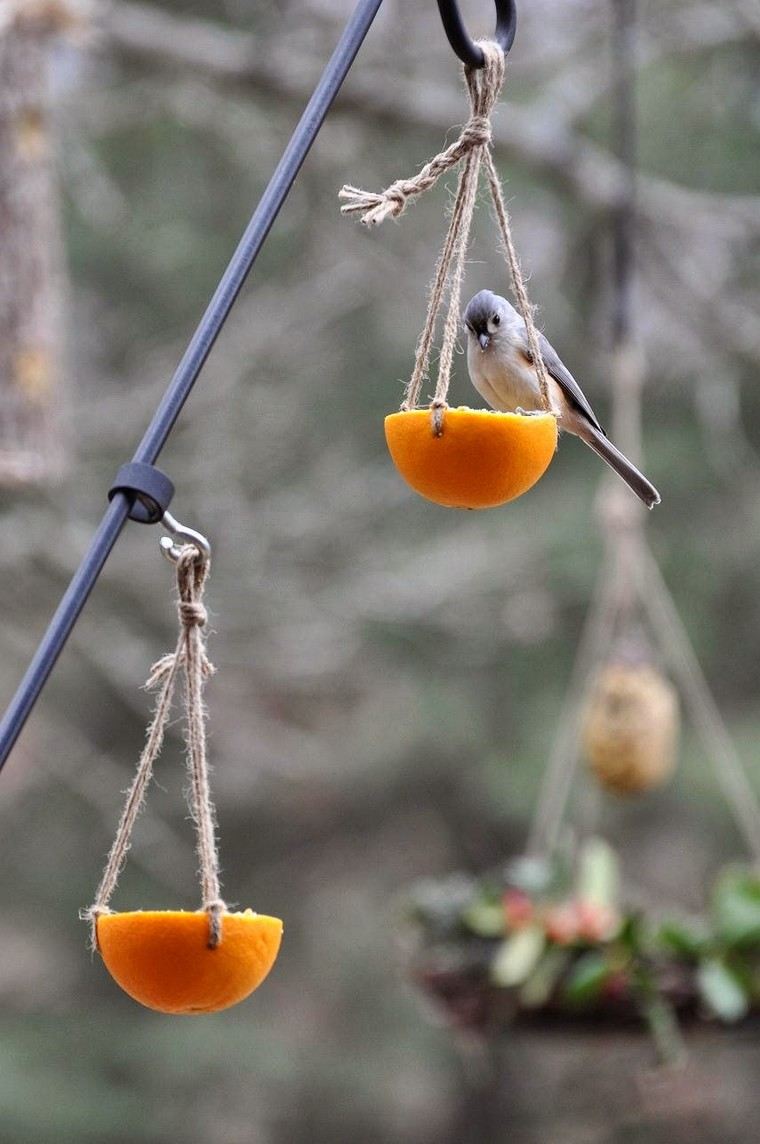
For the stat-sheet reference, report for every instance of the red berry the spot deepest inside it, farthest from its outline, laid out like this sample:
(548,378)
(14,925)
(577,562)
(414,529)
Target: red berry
(561,923)
(616,986)
(596,922)
(518,909)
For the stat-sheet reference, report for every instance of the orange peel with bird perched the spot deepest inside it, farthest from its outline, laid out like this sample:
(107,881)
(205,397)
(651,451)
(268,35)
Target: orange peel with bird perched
(478,458)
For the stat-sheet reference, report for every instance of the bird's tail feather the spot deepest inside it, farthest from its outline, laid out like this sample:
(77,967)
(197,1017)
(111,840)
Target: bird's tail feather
(620,464)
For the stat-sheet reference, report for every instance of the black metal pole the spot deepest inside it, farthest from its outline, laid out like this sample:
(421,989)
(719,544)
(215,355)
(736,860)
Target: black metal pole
(188,370)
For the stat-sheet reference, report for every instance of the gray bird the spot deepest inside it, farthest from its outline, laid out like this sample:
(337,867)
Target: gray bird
(501,369)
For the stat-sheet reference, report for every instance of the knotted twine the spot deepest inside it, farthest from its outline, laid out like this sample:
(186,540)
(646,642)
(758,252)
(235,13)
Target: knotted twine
(189,656)
(471,150)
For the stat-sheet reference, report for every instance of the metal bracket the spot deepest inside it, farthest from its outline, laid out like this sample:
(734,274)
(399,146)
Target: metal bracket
(150,490)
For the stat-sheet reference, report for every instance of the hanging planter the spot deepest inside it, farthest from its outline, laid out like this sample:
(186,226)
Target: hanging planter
(540,940)
(630,728)
(177,961)
(463,458)
(478,458)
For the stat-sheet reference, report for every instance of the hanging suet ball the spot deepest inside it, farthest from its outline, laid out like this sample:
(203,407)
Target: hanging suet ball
(630,728)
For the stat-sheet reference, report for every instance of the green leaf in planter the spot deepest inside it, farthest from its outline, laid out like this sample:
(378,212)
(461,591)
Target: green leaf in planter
(721,990)
(736,908)
(598,874)
(485,918)
(587,978)
(685,938)
(542,981)
(633,933)
(517,957)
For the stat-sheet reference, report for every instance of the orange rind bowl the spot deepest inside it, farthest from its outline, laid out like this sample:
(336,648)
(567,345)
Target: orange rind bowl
(162,959)
(480,459)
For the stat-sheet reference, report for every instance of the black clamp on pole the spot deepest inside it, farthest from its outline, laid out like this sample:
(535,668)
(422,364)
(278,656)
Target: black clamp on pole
(459,38)
(149,491)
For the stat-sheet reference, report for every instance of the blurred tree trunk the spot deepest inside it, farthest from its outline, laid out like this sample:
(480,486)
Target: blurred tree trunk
(30,259)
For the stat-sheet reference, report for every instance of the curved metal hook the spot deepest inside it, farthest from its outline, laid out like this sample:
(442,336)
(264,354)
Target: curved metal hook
(184,534)
(468,52)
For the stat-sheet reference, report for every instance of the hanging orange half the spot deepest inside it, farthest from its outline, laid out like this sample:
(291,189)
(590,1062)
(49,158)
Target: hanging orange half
(161,958)
(481,458)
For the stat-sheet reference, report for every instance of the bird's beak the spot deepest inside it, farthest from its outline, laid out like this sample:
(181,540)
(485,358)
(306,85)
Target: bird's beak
(485,341)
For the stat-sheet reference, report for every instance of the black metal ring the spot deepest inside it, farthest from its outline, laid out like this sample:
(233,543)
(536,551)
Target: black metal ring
(468,52)
(151,491)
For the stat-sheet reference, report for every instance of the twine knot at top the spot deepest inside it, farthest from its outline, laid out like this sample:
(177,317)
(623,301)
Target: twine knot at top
(191,580)
(477,131)
(192,613)
(396,198)
(483,85)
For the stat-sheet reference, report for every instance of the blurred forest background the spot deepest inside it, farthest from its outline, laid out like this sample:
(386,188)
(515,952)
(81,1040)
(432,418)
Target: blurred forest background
(390,672)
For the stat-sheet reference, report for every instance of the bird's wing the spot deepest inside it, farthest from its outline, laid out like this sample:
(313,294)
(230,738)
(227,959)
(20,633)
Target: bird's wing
(564,379)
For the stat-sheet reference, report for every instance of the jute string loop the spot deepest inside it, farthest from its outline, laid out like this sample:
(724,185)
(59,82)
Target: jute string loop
(189,656)
(470,150)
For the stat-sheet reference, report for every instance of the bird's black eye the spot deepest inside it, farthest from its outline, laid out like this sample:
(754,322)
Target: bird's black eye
(496,319)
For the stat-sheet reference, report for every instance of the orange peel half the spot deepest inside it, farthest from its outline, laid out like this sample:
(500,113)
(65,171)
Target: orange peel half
(162,959)
(482,458)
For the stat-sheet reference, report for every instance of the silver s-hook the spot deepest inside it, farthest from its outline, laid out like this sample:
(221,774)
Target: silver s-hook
(183,534)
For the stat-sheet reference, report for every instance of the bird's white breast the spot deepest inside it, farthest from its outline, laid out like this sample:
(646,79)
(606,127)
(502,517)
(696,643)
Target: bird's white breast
(503,377)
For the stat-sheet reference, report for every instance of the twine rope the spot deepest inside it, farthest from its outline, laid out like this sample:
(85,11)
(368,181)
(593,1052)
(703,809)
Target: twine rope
(189,656)
(728,765)
(518,282)
(557,782)
(471,149)
(376,207)
(631,576)
(453,269)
